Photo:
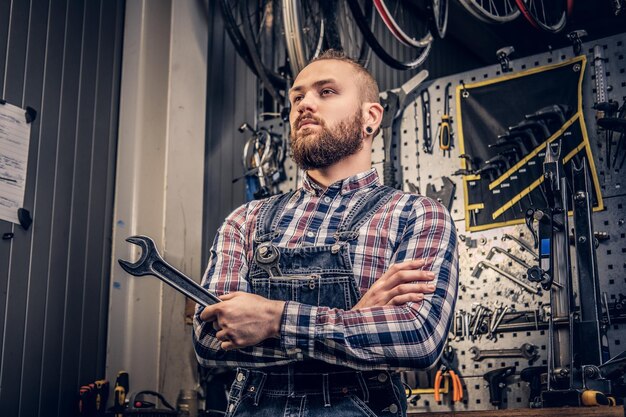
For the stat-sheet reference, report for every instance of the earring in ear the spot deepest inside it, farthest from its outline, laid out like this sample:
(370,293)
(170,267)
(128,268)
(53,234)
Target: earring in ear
(369,130)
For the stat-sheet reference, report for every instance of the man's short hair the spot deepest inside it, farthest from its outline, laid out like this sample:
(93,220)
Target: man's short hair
(370,91)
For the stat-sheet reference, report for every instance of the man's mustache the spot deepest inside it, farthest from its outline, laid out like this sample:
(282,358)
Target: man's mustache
(308,116)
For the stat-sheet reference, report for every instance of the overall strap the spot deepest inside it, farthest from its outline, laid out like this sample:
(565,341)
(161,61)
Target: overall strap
(363,211)
(269,216)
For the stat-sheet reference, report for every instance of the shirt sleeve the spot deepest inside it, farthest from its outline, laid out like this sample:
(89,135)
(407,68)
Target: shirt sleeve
(226,273)
(411,336)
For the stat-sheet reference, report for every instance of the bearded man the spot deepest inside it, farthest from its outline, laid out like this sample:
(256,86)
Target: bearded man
(329,290)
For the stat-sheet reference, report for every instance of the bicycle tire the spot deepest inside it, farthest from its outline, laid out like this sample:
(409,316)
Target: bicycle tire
(536,13)
(255,50)
(402,64)
(344,34)
(238,24)
(233,27)
(235,35)
(495,11)
(398,30)
(327,25)
(304,26)
(438,19)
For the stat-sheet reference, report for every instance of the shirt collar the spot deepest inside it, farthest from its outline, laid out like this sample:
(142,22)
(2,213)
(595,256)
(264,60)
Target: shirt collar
(353,183)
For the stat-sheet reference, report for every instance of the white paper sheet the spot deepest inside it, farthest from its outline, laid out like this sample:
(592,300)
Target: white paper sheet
(14,141)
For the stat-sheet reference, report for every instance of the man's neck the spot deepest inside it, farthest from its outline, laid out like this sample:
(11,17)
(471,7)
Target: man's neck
(343,169)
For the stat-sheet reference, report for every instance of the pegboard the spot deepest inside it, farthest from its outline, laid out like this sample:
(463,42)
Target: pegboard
(489,288)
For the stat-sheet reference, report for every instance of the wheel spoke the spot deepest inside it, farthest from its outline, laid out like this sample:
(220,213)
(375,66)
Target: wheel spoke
(551,16)
(491,11)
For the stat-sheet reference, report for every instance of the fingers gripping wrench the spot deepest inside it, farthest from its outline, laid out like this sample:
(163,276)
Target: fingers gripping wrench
(151,263)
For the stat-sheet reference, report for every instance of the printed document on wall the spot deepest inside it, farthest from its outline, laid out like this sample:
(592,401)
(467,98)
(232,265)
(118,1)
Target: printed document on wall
(14,141)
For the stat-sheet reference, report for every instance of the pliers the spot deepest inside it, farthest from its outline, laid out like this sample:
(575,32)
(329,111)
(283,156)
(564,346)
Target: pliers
(446,369)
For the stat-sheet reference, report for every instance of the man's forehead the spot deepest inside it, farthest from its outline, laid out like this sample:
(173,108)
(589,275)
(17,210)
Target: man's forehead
(325,69)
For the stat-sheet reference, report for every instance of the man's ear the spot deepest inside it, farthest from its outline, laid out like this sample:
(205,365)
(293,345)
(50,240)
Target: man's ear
(372,115)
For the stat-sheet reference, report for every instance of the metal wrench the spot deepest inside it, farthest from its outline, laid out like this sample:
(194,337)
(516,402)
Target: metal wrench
(151,263)
(527,351)
(484,264)
(522,244)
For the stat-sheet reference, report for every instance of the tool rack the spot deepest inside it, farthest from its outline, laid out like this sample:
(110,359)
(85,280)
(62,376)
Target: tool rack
(524,319)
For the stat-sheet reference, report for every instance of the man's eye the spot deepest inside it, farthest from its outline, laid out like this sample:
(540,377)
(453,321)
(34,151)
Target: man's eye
(297,99)
(326,92)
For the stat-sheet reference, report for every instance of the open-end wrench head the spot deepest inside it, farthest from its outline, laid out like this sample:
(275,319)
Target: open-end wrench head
(475,351)
(142,266)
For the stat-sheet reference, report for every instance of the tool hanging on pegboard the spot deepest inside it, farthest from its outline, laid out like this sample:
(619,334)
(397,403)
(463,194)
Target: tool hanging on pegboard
(613,125)
(427,144)
(263,161)
(394,101)
(604,106)
(445,127)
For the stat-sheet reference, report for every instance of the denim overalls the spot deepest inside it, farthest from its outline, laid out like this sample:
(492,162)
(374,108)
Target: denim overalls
(314,275)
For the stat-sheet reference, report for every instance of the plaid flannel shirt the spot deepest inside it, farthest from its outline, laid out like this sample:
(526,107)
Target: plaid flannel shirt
(409,336)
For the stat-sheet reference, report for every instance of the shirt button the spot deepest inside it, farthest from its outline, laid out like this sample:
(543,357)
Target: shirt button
(382,377)
(393,408)
(310,234)
(231,408)
(240,377)
(327,199)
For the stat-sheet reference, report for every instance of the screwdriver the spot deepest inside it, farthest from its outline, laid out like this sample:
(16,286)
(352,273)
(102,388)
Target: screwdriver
(445,130)
(119,398)
(102,395)
(122,385)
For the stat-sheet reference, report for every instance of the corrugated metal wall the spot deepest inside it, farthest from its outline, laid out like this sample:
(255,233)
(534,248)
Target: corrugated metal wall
(231,100)
(62,58)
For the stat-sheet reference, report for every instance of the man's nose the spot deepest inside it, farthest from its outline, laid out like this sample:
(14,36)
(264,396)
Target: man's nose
(307,103)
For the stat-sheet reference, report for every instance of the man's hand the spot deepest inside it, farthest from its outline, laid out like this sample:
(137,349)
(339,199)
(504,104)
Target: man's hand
(244,319)
(396,286)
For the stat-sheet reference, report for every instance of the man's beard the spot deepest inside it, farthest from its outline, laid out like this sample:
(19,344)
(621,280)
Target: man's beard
(315,150)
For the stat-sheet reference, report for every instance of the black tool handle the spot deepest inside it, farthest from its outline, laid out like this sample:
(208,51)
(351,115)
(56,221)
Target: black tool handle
(182,283)
(497,385)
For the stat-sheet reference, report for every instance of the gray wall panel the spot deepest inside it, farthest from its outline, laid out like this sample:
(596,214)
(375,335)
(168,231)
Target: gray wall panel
(230,101)
(23,84)
(91,296)
(60,234)
(62,58)
(36,319)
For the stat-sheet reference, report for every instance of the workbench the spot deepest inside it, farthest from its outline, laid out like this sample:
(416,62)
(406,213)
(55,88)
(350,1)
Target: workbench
(533,412)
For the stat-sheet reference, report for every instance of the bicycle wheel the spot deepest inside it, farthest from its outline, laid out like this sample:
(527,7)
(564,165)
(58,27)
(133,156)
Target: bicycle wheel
(492,11)
(414,40)
(344,34)
(253,27)
(305,27)
(546,15)
(315,25)
(439,17)
(403,21)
